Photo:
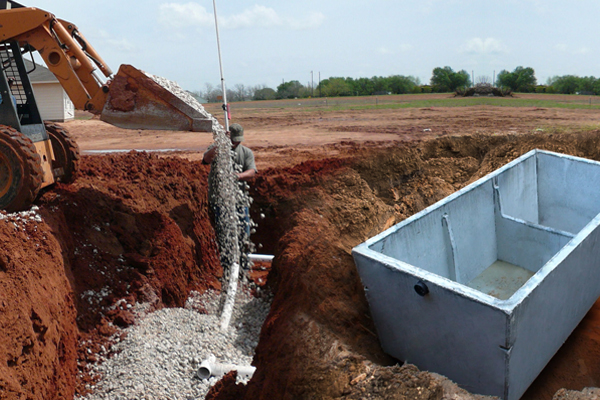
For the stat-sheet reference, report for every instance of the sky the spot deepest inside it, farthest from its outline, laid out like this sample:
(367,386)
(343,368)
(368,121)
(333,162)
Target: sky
(267,42)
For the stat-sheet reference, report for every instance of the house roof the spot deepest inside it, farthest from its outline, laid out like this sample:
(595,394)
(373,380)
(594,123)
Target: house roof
(40,74)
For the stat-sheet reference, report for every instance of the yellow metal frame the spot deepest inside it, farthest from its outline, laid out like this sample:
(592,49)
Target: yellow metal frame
(44,149)
(57,42)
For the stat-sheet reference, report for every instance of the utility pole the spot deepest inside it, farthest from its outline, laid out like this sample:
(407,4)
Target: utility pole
(312,86)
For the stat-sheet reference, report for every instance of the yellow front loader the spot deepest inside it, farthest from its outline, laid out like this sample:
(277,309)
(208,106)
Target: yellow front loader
(34,153)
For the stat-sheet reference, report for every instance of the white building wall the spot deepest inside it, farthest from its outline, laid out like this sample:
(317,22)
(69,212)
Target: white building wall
(69,107)
(53,102)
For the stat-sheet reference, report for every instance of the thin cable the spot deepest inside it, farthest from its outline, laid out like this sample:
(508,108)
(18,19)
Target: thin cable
(225,107)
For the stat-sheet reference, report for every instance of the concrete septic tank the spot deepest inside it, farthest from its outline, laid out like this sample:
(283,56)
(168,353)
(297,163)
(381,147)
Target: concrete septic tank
(487,284)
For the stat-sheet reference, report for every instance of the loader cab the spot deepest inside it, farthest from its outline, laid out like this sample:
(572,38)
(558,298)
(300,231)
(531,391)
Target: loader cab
(27,160)
(21,114)
(9,5)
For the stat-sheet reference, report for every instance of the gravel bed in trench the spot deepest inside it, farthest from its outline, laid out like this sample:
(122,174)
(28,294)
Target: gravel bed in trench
(159,357)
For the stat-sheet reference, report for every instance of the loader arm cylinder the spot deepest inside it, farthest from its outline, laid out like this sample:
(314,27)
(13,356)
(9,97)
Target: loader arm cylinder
(87,47)
(70,65)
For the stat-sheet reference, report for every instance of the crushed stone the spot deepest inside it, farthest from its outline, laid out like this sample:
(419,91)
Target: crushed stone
(161,353)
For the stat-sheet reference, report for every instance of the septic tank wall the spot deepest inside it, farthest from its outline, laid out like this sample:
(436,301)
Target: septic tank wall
(565,288)
(520,239)
(489,346)
(569,191)
(465,219)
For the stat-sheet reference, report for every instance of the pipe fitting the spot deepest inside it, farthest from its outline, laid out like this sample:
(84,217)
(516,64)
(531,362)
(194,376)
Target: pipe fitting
(210,367)
(421,288)
(261,257)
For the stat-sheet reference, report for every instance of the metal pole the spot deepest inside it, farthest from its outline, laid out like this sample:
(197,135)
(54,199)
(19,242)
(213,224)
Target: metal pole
(225,105)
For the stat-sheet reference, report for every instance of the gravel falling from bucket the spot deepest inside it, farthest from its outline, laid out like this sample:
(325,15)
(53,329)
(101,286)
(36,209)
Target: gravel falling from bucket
(230,196)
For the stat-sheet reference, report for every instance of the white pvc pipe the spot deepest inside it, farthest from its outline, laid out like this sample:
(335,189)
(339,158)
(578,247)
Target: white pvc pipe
(231,290)
(210,367)
(261,257)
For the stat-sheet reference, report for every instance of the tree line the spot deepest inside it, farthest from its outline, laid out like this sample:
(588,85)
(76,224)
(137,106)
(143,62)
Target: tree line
(443,80)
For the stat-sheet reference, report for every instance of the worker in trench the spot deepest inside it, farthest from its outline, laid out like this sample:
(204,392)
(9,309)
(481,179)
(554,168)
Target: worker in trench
(245,170)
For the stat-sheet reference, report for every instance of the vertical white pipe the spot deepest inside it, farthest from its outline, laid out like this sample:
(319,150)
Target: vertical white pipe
(230,299)
(235,267)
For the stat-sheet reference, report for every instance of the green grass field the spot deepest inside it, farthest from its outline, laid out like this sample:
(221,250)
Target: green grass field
(418,101)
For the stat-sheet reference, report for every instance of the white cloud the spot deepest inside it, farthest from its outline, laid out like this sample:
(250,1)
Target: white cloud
(122,45)
(256,16)
(561,47)
(488,46)
(178,15)
(314,20)
(185,15)
(401,48)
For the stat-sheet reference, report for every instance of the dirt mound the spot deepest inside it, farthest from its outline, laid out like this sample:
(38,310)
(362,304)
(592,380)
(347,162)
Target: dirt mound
(133,228)
(38,334)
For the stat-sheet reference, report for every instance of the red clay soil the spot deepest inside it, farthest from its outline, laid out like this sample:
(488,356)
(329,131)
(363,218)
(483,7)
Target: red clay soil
(319,322)
(38,333)
(135,227)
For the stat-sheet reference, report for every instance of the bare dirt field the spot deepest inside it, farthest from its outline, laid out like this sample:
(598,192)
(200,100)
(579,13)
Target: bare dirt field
(138,224)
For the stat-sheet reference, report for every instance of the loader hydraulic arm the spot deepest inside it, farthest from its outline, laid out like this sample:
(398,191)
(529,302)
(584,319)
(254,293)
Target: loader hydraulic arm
(67,54)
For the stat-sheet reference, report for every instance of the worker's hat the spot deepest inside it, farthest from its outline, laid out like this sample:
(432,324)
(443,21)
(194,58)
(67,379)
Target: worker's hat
(237,132)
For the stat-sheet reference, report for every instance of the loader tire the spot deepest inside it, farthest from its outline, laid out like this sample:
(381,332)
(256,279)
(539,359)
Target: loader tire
(20,170)
(66,153)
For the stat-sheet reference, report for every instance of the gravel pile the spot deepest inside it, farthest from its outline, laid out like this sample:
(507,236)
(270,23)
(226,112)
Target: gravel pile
(183,94)
(22,218)
(159,357)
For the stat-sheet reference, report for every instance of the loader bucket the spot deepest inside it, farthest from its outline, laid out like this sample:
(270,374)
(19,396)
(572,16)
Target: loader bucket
(136,101)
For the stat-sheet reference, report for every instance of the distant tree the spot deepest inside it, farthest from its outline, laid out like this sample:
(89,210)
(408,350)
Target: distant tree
(520,80)
(446,80)
(289,90)
(363,87)
(381,85)
(399,84)
(305,92)
(211,93)
(587,85)
(265,94)
(483,79)
(596,88)
(240,93)
(572,84)
(567,84)
(334,87)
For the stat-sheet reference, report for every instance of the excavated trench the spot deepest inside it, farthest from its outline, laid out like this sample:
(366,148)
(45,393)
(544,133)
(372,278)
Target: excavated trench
(136,227)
